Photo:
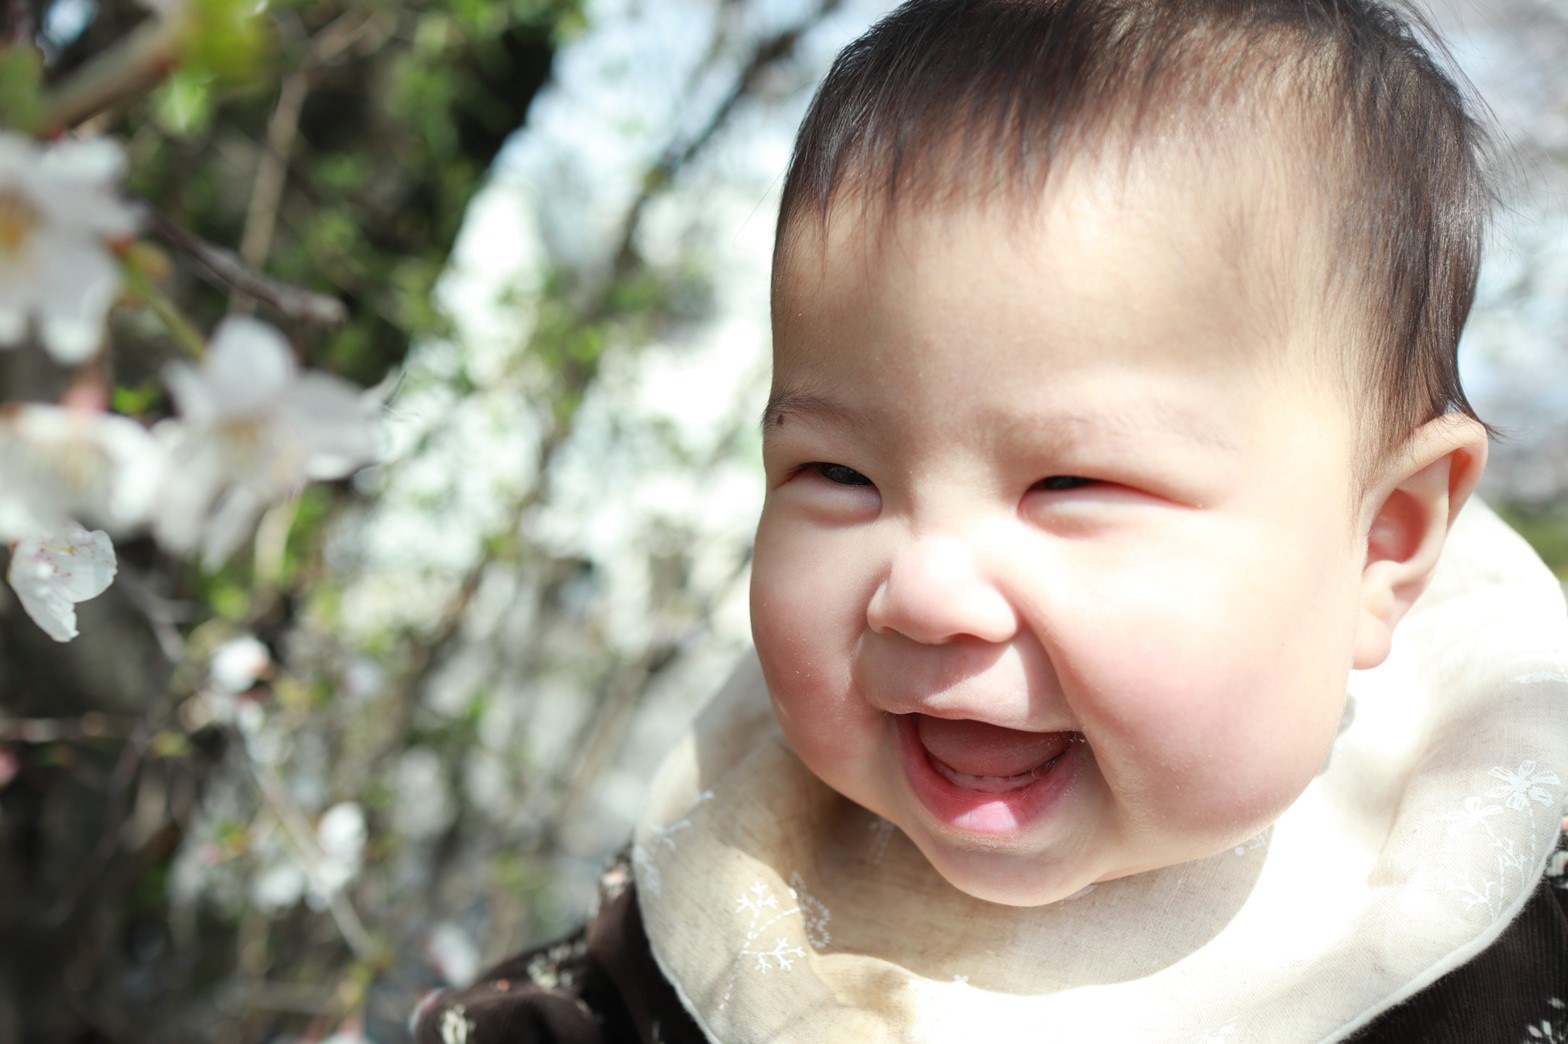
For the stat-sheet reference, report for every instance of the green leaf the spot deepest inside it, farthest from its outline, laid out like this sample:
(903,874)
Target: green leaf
(169,744)
(183,104)
(135,401)
(21,89)
(225,40)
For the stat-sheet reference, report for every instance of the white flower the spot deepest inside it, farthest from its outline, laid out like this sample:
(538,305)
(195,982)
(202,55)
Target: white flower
(1475,813)
(341,835)
(51,573)
(1524,786)
(252,431)
(453,954)
(424,804)
(237,665)
(59,214)
(277,886)
(59,464)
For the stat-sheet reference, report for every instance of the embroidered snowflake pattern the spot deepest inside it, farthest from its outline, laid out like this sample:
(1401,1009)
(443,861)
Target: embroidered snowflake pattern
(757,900)
(1553,1028)
(763,907)
(782,956)
(1519,791)
(662,840)
(765,950)
(1225,1033)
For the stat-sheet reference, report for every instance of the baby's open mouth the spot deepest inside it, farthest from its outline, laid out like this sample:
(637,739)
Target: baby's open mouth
(988,758)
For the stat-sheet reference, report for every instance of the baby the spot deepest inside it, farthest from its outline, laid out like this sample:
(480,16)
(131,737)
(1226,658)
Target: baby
(1115,422)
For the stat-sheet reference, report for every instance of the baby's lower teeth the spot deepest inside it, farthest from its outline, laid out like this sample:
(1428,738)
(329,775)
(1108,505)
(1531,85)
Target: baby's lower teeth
(990,783)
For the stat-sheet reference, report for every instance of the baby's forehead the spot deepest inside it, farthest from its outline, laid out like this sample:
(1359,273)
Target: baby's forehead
(1245,207)
(1159,251)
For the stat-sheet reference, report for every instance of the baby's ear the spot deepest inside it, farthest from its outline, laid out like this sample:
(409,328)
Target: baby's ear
(1414,501)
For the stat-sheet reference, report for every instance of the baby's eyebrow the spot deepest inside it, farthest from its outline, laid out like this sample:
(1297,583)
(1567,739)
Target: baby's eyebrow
(1069,427)
(1143,419)
(783,404)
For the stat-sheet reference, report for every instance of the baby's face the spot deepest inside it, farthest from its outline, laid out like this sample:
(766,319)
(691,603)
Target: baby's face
(1059,564)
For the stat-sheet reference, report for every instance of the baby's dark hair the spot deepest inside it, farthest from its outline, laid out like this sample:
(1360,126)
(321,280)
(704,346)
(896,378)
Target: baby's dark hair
(948,100)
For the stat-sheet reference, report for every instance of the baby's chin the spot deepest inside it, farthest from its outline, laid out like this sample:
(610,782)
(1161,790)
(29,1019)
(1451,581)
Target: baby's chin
(999,873)
(1004,875)
(1020,889)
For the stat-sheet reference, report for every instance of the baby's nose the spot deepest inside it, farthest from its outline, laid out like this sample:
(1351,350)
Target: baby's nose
(936,591)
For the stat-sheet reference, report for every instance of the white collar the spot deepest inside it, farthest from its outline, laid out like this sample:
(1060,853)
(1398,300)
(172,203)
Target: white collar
(782,912)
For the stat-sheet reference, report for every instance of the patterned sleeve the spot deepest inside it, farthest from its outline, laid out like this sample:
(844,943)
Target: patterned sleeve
(1514,992)
(598,986)
(540,996)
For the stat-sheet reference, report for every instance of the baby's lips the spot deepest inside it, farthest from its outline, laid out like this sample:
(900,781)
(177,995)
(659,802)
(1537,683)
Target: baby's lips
(976,748)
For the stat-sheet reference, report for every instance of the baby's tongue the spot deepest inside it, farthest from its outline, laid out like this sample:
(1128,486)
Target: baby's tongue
(975,748)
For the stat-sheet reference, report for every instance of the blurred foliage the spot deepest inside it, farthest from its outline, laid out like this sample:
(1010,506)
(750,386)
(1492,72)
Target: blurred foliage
(1546,528)
(387,116)
(335,147)
(226,814)
(21,97)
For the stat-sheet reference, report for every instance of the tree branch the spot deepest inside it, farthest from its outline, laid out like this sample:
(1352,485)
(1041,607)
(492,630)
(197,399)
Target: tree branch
(20,16)
(144,58)
(89,726)
(227,270)
(765,53)
(303,839)
(267,189)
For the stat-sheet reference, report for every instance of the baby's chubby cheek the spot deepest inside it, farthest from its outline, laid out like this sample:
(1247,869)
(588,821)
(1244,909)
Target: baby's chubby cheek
(805,632)
(1211,754)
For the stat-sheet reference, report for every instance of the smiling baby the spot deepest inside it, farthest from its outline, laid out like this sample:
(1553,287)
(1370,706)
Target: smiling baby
(1115,427)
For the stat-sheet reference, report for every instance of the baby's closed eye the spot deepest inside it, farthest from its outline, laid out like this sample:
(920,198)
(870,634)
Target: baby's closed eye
(838,474)
(1060,483)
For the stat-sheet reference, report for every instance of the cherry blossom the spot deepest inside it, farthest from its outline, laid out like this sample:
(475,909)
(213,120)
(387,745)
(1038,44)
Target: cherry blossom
(59,216)
(341,834)
(453,954)
(52,572)
(239,664)
(61,463)
(253,430)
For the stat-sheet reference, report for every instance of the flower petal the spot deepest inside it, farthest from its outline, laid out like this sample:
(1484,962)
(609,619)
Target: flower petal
(51,573)
(79,282)
(76,463)
(339,428)
(95,162)
(230,523)
(248,366)
(196,476)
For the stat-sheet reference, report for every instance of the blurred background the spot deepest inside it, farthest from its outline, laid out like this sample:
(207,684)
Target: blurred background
(397,736)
